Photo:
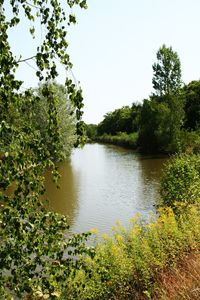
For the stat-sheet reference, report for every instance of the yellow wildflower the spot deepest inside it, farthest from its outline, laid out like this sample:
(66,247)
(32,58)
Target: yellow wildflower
(118,238)
(94,230)
(105,236)
(135,218)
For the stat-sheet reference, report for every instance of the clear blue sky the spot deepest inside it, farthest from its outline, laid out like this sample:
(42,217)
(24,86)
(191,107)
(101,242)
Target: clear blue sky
(114,45)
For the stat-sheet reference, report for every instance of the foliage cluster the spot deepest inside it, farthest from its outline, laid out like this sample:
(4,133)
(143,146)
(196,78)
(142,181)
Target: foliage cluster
(34,110)
(161,124)
(91,131)
(125,119)
(192,105)
(181,181)
(65,117)
(166,72)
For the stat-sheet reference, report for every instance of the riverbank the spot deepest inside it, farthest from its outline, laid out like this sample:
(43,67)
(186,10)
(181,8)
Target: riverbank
(129,141)
(121,139)
(145,261)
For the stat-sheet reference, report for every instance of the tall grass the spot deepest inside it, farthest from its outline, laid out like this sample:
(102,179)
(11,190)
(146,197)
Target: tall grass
(120,139)
(127,264)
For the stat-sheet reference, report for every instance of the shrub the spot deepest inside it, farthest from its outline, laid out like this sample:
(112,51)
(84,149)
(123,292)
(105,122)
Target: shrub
(190,142)
(181,180)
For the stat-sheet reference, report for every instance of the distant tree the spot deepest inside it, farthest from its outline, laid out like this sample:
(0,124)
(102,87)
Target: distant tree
(135,116)
(124,119)
(170,118)
(91,131)
(107,125)
(160,124)
(192,105)
(65,117)
(166,72)
(148,124)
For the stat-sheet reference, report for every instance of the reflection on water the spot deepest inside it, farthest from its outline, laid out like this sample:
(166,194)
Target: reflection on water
(63,199)
(105,183)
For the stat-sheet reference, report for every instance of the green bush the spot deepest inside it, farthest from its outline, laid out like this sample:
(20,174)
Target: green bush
(190,142)
(181,180)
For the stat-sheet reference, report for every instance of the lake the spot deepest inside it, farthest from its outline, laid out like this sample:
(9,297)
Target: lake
(102,184)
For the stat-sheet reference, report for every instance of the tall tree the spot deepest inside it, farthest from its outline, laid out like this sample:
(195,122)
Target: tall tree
(166,72)
(162,116)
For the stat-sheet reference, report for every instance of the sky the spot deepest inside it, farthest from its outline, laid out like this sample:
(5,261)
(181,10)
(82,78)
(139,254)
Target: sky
(113,48)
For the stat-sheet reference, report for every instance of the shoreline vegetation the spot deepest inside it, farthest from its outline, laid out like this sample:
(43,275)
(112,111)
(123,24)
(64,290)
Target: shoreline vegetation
(122,139)
(155,260)
(136,263)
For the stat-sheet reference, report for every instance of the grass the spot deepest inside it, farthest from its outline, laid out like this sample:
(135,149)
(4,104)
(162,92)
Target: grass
(183,282)
(120,139)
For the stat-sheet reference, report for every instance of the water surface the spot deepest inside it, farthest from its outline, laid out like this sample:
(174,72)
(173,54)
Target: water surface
(103,184)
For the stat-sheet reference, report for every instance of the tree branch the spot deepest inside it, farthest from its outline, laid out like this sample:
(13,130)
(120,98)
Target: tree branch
(32,5)
(23,60)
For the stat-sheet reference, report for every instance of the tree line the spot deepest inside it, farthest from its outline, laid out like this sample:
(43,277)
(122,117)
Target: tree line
(167,121)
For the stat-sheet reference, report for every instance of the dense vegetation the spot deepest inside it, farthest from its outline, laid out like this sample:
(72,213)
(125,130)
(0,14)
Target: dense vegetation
(181,183)
(128,265)
(36,253)
(39,258)
(168,121)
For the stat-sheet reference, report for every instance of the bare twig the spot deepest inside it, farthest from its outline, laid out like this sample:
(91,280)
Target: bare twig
(23,60)
(34,6)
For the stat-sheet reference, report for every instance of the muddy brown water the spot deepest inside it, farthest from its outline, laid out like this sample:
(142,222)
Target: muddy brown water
(102,184)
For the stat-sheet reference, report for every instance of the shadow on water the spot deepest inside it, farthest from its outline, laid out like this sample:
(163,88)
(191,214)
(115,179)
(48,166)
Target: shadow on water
(63,199)
(151,172)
